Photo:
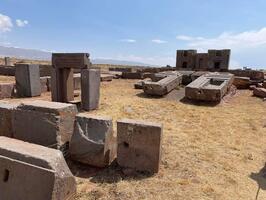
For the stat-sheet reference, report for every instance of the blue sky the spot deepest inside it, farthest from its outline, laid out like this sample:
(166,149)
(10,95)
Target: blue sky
(148,31)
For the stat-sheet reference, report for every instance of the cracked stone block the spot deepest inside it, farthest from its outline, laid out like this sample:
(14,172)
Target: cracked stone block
(45,123)
(28,80)
(6,112)
(6,90)
(93,141)
(259,92)
(31,172)
(139,145)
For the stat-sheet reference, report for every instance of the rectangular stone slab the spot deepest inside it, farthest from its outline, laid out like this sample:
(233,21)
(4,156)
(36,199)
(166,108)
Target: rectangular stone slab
(71,60)
(139,145)
(28,80)
(90,89)
(19,180)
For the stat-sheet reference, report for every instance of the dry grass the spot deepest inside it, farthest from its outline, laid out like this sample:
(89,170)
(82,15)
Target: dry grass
(208,152)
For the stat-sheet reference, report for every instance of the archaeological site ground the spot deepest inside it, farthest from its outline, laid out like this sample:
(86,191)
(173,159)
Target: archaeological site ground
(73,130)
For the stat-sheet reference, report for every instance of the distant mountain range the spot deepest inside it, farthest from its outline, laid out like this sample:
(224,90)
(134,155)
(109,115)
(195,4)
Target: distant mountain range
(45,55)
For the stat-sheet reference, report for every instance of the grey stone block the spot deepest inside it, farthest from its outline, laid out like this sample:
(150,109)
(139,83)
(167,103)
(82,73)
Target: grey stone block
(139,145)
(90,89)
(6,90)
(242,82)
(210,87)
(28,80)
(71,60)
(260,92)
(45,123)
(93,141)
(6,112)
(163,86)
(33,172)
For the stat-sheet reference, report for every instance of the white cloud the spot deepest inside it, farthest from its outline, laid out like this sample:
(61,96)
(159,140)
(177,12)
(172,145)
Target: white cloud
(158,41)
(235,41)
(21,23)
(5,23)
(129,40)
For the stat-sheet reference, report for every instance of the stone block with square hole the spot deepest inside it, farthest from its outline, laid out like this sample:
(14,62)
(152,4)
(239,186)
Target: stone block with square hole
(45,123)
(93,141)
(33,172)
(139,145)
(28,80)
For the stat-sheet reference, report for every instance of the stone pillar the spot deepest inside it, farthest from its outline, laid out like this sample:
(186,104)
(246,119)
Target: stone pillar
(62,85)
(28,80)
(7,61)
(90,89)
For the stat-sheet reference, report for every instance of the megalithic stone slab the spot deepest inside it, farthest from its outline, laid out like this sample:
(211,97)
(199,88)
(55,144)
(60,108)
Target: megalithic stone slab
(139,145)
(62,85)
(71,60)
(7,61)
(28,80)
(6,90)
(93,141)
(90,89)
(6,112)
(45,123)
(32,172)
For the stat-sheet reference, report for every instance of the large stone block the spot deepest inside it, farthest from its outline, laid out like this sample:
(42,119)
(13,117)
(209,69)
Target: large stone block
(33,172)
(28,80)
(46,123)
(93,141)
(6,90)
(132,75)
(90,89)
(139,145)
(259,92)
(242,82)
(6,112)
(162,87)
(209,87)
(71,60)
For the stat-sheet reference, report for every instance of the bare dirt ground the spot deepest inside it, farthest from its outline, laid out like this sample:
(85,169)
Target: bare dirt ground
(209,152)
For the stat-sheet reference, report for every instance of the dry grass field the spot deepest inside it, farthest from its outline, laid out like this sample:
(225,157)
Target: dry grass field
(209,152)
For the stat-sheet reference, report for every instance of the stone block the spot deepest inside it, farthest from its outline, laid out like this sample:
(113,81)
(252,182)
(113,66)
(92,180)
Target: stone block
(209,87)
(71,60)
(6,90)
(33,172)
(186,77)
(44,84)
(93,141)
(77,81)
(45,123)
(90,89)
(28,80)
(162,87)
(242,82)
(132,75)
(264,84)
(7,70)
(6,113)
(7,61)
(259,92)
(139,145)
(106,77)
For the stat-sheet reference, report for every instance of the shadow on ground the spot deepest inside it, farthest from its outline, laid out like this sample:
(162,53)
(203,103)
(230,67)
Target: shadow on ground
(199,103)
(112,174)
(260,178)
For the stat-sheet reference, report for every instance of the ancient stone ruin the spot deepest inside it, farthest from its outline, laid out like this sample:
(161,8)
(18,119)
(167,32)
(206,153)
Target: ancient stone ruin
(214,60)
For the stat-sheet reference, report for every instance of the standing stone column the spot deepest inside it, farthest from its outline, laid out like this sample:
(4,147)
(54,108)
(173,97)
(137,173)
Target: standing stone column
(90,89)
(28,80)
(7,61)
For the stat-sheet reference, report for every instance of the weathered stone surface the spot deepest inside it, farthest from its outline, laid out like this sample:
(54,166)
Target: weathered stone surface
(6,90)
(77,81)
(45,70)
(93,141)
(6,112)
(46,123)
(120,69)
(44,84)
(260,92)
(209,87)
(186,77)
(71,60)
(132,75)
(33,172)
(242,82)
(264,84)
(28,80)
(139,85)
(163,86)
(198,74)
(90,89)
(139,145)
(106,77)
(252,74)
(7,61)
(7,70)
